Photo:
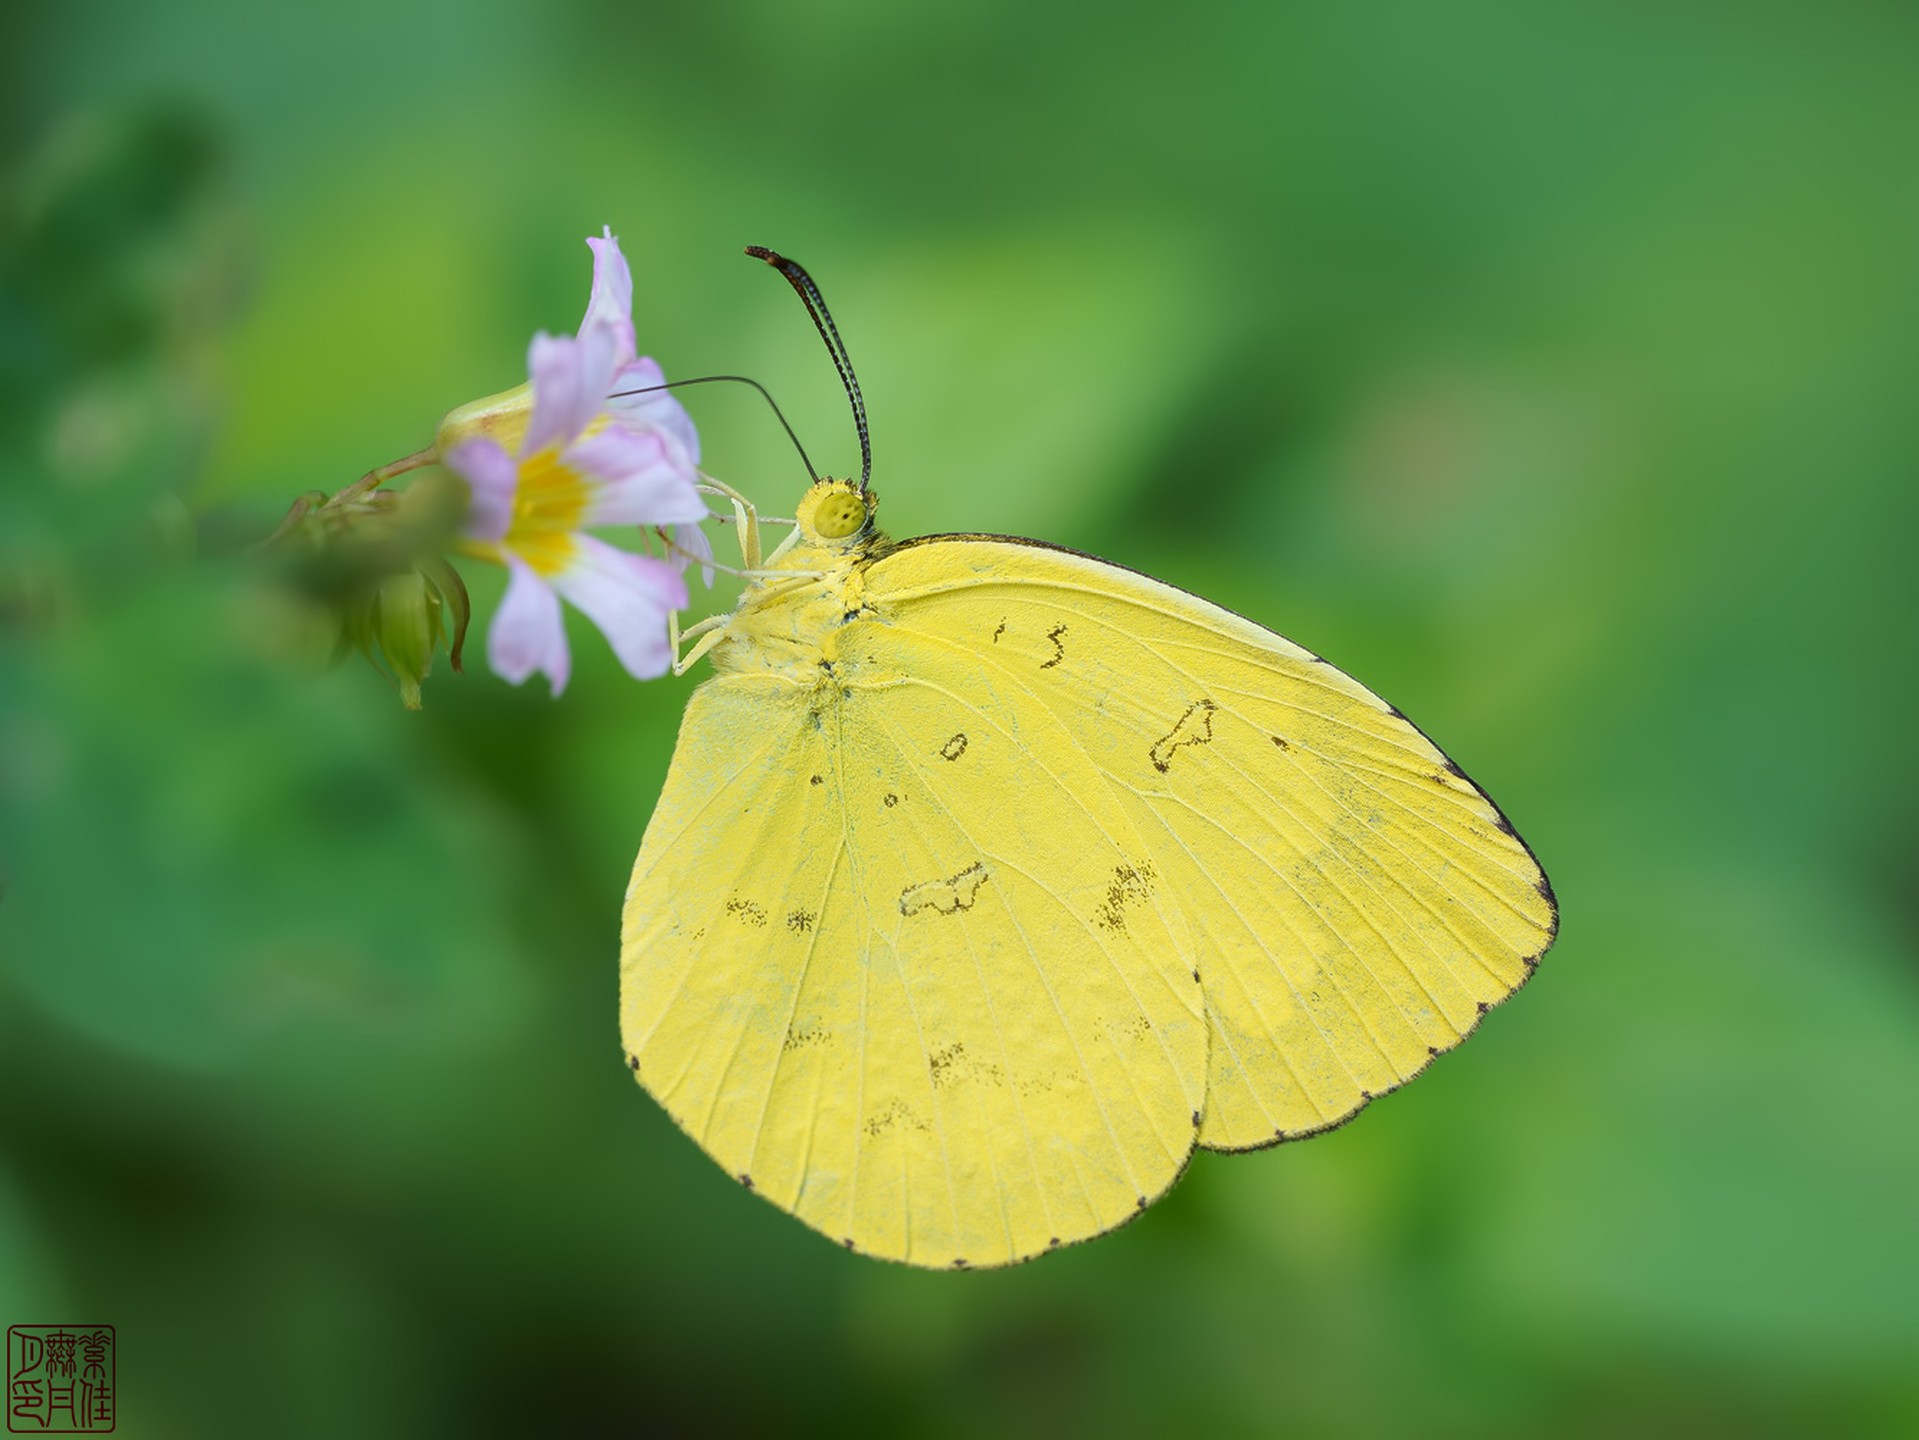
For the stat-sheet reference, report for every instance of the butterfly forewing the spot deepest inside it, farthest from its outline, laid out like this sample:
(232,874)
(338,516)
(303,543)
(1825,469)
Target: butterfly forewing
(891,956)
(1354,902)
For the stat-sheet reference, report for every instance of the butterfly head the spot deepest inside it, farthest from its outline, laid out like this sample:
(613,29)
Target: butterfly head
(836,513)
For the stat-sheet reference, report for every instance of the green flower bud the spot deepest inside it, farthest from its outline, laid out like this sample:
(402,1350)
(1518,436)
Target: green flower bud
(367,570)
(403,629)
(501,418)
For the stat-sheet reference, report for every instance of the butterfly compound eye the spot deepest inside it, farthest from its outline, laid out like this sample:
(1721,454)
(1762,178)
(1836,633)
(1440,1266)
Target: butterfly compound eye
(840,516)
(833,510)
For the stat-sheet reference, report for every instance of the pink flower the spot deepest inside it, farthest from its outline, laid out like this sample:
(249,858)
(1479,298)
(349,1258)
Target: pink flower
(582,458)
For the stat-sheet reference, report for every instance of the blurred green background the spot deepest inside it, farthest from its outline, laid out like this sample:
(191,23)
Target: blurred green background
(1549,368)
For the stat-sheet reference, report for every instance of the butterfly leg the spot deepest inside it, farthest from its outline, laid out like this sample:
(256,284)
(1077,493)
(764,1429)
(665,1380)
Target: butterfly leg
(745,516)
(754,567)
(713,629)
(710,632)
(787,544)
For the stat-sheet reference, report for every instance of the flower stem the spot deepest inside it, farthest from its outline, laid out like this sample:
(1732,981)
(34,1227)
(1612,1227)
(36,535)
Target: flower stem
(318,502)
(374,479)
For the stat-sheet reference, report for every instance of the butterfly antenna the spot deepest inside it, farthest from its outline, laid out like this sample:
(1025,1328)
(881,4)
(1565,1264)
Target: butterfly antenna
(797,277)
(811,473)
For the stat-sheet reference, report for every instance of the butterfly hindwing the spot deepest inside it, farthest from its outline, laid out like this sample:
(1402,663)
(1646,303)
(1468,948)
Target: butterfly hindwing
(1355,903)
(881,961)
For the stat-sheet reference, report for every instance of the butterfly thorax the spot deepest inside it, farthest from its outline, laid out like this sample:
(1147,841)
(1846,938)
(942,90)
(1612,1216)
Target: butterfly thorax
(790,626)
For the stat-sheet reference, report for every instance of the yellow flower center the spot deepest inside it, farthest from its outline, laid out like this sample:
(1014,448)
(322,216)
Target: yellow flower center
(548,508)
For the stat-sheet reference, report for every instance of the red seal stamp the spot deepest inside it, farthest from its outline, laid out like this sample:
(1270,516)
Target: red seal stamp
(60,1379)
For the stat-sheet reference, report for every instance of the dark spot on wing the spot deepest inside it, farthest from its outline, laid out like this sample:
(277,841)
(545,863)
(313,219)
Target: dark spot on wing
(848,1242)
(953,1063)
(1141,1205)
(747,1181)
(954,748)
(633,1062)
(1364,1096)
(827,666)
(1484,1007)
(1452,767)
(816,780)
(892,1115)
(891,800)
(1131,885)
(1195,727)
(1053,1244)
(799,921)
(1196,975)
(1432,1049)
(959,1264)
(945,897)
(940,1063)
(1059,650)
(999,632)
(1196,1117)
(746,912)
(1044,1083)
(1281,743)
(804,1037)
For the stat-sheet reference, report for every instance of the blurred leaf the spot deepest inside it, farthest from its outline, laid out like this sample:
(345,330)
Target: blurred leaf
(1546,367)
(205,852)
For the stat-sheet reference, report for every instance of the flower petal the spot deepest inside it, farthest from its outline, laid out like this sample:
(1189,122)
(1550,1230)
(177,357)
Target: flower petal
(629,597)
(493,477)
(570,377)
(692,540)
(640,482)
(611,303)
(527,633)
(655,410)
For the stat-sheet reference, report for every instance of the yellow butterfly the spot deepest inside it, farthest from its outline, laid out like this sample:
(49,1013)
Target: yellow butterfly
(990,879)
